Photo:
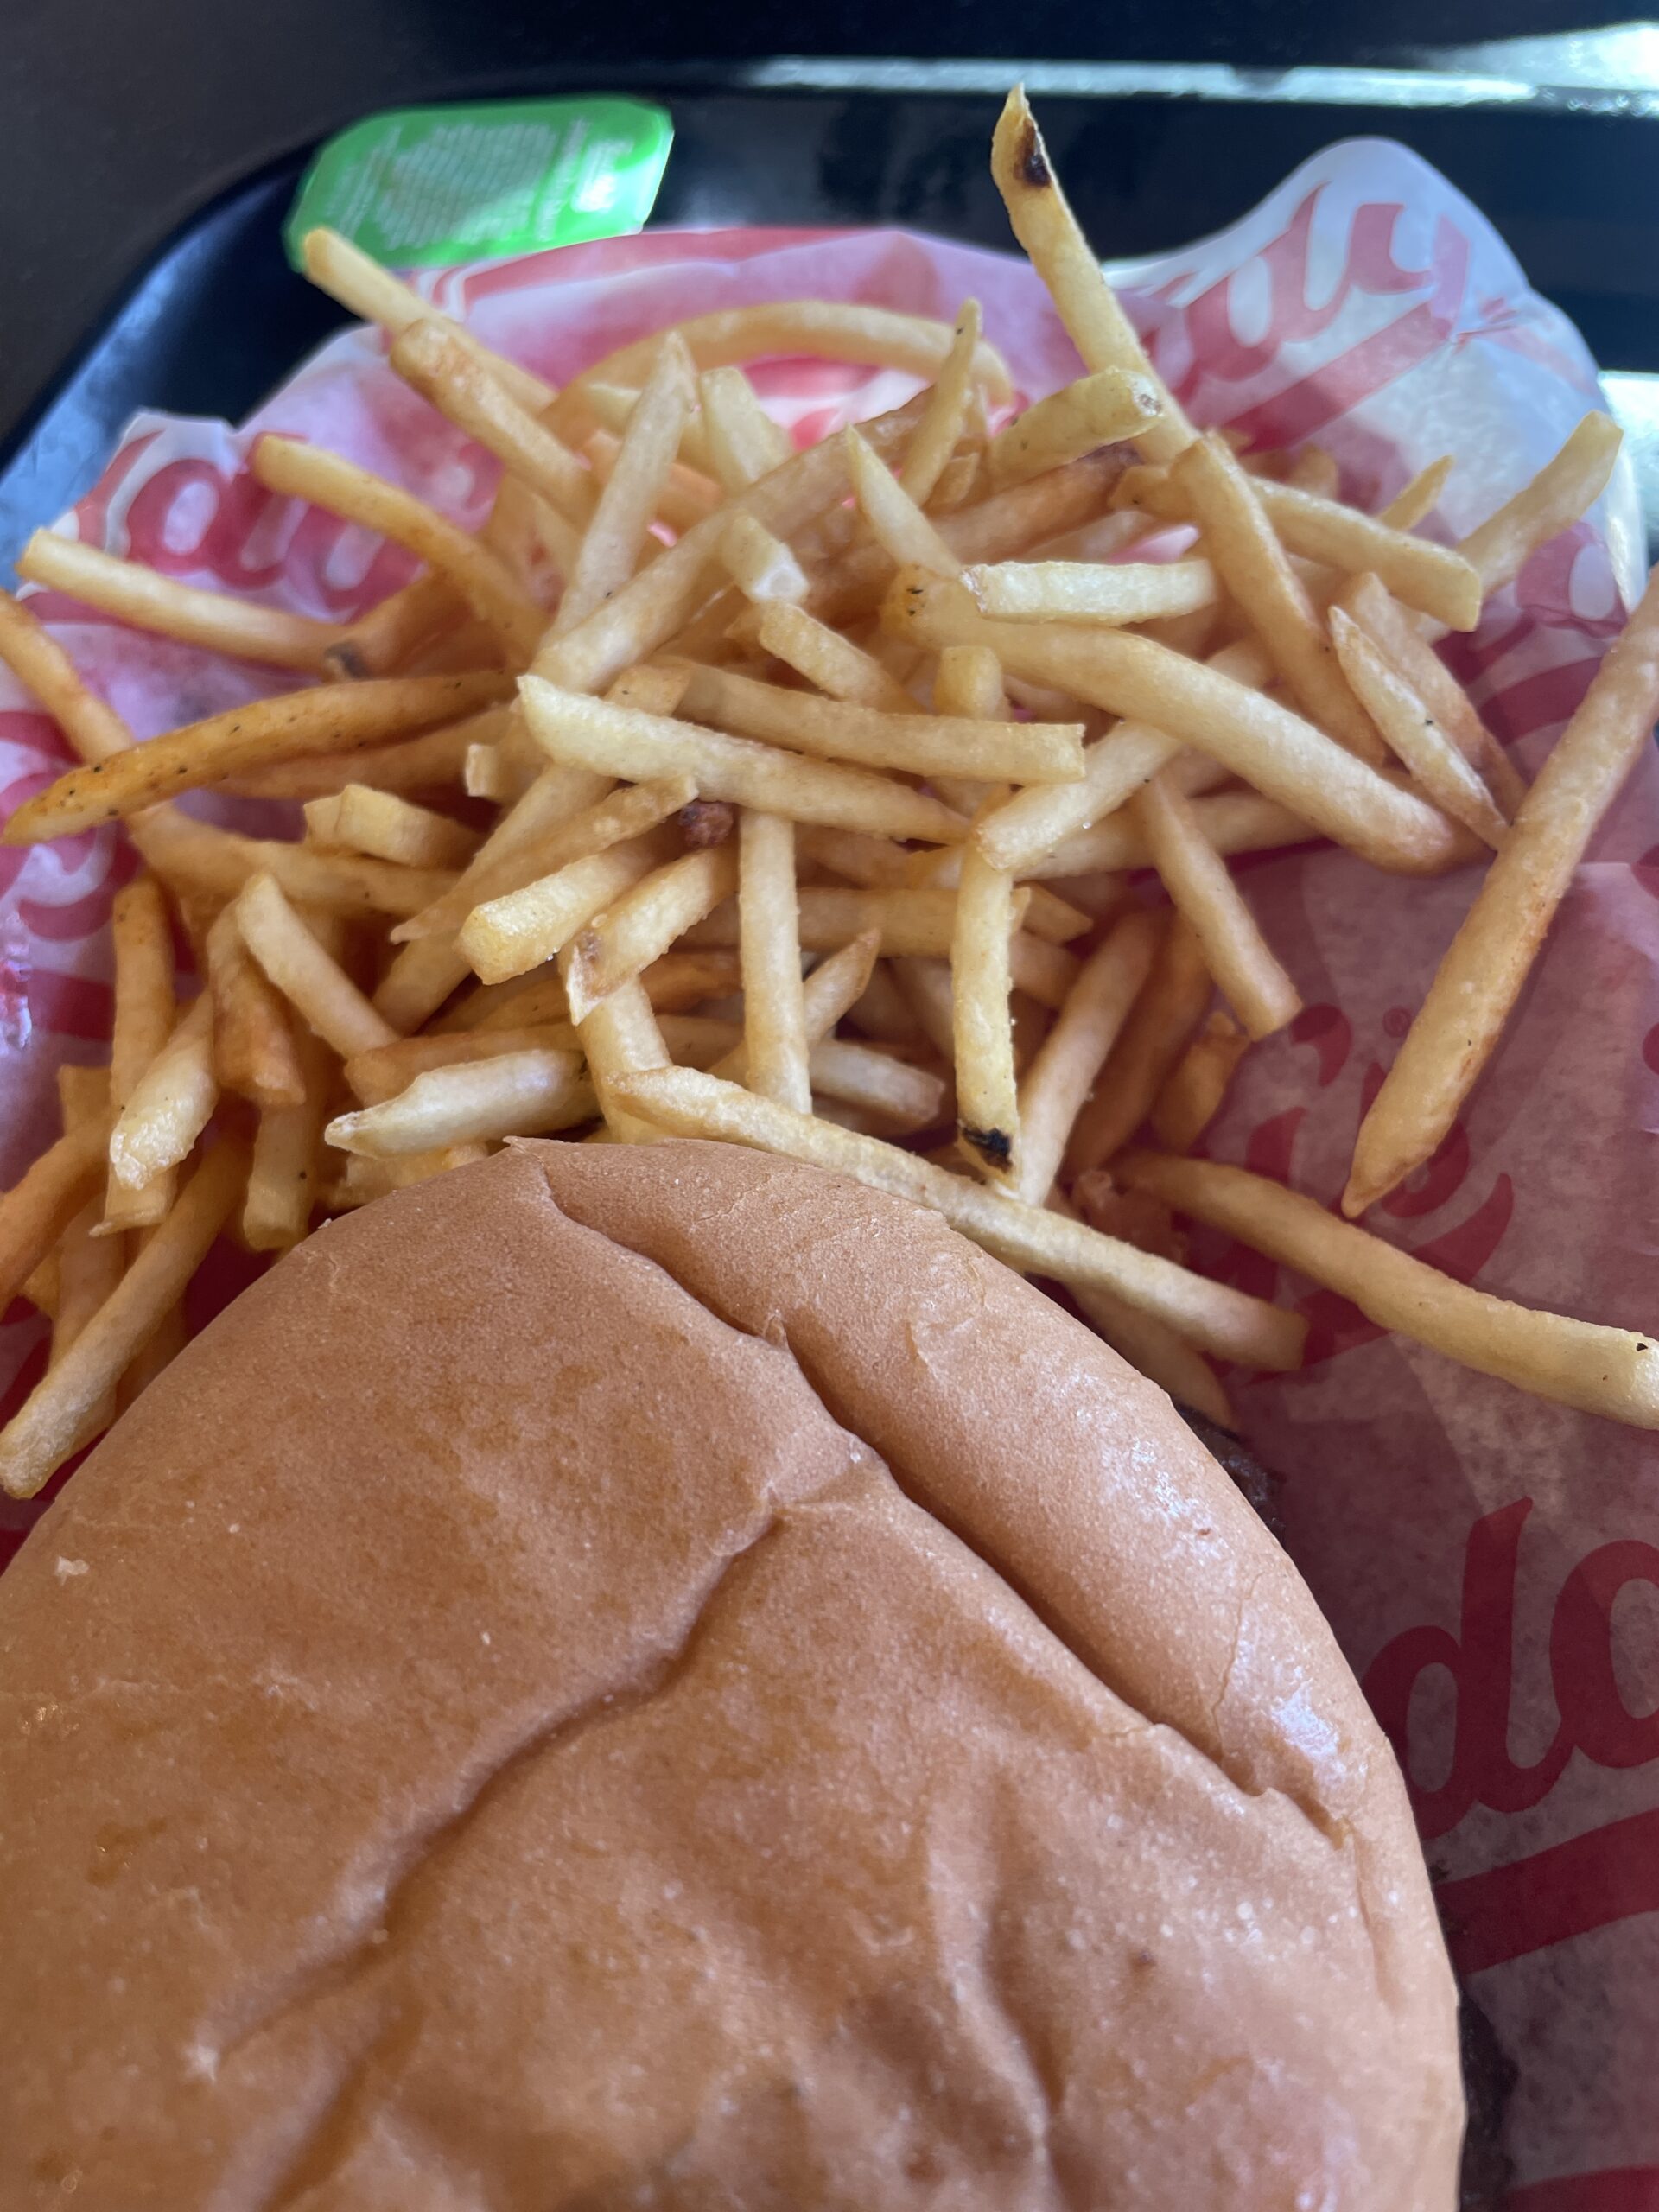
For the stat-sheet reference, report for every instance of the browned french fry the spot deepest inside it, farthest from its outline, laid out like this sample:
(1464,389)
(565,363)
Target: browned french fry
(1171,1005)
(1058,1080)
(1225,1321)
(412,764)
(58,1416)
(627,936)
(36,1211)
(1197,1084)
(1600,1370)
(1541,509)
(1238,957)
(253,1042)
(1480,977)
(149,600)
(387,638)
(330,719)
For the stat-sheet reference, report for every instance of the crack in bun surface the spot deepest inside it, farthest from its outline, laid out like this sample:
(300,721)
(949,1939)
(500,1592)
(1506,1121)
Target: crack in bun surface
(657,1677)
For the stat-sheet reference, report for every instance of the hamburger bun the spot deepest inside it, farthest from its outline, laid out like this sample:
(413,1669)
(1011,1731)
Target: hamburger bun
(659,1677)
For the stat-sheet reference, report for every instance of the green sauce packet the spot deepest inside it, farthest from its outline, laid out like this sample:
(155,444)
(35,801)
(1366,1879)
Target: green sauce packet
(428,186)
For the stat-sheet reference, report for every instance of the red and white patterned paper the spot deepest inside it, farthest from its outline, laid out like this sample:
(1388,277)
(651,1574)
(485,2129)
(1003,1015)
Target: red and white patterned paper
(1490,1562)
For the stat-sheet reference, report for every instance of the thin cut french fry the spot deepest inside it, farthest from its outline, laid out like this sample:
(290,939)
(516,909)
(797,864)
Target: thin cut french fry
(621,1039)
(1192,1094)
(813,650)
(149,600)
(253,1040)
(1412,734)
(1054,1087)
(1225,1321)
(1057,251)
(838,982)
(919,744)
(1282,756)
(304,971)
(141,941)
(387,639)
(988,1104)
(329,719)
(167,1341)
(744,443)
(769,945)
(282,1176)
(909,921)
(36,1211)
(897,523)
(56,1419)
(382,1073)
(1043,971)
(761,566)
(170,1104)
(942,425)
(1096,411)
(1388,626)
(1161,1353)
(1091,591)
(412,764)
(1252,979)
(509,935)
(1408,507)
(443,368)
(1240,539)
(358,281)
(193,858)
(623,940)
(622,522)
(925,984)
(1612,1372)
(360,819)
(482,577)
(1314,469)
(1169,1008)
(1481,975)
(89,1268)
(610,405)
(1541,509)
(1232,821)
(95,731)
(510,1094)
(590,733)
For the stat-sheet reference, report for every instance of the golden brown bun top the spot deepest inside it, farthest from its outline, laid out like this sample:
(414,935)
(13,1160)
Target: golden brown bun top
(657,1677)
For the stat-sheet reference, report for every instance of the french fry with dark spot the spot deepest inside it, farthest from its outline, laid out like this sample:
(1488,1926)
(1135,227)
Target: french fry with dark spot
(988,1101)
(625,937)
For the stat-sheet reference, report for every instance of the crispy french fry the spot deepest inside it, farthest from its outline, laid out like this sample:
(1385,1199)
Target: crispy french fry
(897,523)
(946,418)
(1058,1080)
(744,443)
(761,566)
(381,1073)
(988,1104)
(510,1094)
(358,281)
(769,945)
(909,921)
(405,623)
(142,941)
(193,858)
(1412,734)
(1169,1008)
(1055,246)
(827,659)
(37,1210)
(1232,821)
(623,940)
(611,405)
(826,330)
(617,740)
(518,930)
(1431,578)
(94,731)
(1388,626)
(1238,957)
(916,743)
(1252,565)
(1541,509)
(252,1040)
(611,547)
(171,1103)
(304,971)
(329,719)
(1225,1321)
(1161,1353)
(413,764)
(442,367)
(1481,975)
(360,819)
(621,1039)
(1612,1372)
(58,1416)
(148,601)
(1096,410)
(1408,507)
(481,577)
(1192,1093)
(283,1174)
(1088,591)
(1284,757)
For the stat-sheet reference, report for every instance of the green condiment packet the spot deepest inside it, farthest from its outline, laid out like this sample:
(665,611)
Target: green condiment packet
(429,186)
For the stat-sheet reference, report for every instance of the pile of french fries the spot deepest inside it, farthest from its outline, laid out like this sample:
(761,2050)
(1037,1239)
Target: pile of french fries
(792,800)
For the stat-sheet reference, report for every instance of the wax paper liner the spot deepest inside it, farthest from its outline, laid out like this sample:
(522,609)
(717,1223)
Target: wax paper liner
(1488,1560)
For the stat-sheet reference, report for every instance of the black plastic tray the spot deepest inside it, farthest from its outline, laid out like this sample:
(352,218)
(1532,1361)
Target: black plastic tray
(1153,156)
